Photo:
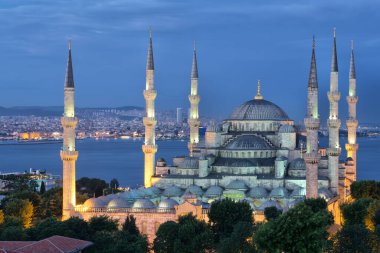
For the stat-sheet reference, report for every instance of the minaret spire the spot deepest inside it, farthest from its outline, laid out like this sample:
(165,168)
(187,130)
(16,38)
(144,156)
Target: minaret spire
(258,95)
(352,122)
(312,124)
(149,148)
(68,153)
(193,119)
(333,123)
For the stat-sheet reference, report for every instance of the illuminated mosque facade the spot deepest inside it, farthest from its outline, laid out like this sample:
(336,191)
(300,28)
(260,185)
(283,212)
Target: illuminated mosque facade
(256,155)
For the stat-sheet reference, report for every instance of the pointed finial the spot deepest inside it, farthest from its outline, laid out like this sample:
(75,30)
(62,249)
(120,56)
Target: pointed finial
(258,96)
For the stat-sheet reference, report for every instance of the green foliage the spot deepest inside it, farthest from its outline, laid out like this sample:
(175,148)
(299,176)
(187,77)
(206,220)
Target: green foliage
(271,213)
(42,187)
(354,238)
(224,214)
(130,225)
(300,230)
(102,223)
(355,212)
(365,189)
(91,186)
(20,208)
(189,235)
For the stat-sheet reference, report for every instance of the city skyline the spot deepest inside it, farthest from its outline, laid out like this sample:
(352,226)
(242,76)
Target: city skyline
(110,53)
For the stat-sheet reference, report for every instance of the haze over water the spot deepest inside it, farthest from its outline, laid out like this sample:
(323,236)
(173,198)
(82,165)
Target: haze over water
(124,160)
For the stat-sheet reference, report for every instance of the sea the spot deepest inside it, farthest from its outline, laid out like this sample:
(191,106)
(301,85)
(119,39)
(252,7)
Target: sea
(123,159)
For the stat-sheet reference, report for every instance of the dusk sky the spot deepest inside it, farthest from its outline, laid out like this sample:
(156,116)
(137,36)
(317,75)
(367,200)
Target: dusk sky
(237,42)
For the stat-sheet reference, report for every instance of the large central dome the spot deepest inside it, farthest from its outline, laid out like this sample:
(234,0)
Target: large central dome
(259,109)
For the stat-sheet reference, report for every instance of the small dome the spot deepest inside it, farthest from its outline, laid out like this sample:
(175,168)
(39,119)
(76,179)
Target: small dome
(143,204)
(237,185)
(189,163)
(258,192)
(167,204)
(119,203)
(251,142)
(214,191)
(298,193)
(279,192)
(325,193)
(94,203)
(286,129)
(194,189)
(259,109)
(269,203)
(172,191)
(297,164)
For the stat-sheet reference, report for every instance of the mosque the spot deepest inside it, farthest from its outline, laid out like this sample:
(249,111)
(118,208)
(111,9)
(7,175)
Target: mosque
(256,155)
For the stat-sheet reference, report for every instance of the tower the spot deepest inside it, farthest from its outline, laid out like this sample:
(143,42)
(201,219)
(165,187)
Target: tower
(149,148)
(312,124)
(68,153)
(352,122)
(333,123)
(193,119)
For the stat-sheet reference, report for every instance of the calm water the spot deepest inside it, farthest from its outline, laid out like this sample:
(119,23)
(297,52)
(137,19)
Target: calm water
(124,160)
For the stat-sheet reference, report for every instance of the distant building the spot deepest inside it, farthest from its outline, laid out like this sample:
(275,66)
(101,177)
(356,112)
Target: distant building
(179,116)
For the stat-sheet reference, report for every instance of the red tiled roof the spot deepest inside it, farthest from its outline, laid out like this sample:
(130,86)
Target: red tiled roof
(54,244)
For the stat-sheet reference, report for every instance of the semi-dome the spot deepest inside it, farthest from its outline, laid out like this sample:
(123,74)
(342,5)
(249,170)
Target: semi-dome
(167,204)
(259,109)
(237,185)
(189,163)
(143,204)
(119,203)
(258,192)
(279,192)
(194,189)
(286,129)
(214,191)
(94,203)
(172,191)
(244,142)
(297,164)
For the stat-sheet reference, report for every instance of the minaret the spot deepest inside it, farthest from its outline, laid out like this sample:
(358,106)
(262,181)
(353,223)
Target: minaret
(312,124)
(149,148)
(193,119)
(68,153)
(352,122)
(333,124)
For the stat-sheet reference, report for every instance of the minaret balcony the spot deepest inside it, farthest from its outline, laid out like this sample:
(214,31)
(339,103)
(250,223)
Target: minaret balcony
(150,95)
(333,123)
(149,121)
(312,158)
(352,99)
(334,151)
(352,147)
(312,123)
(67,155)
(194,99)
(149,149)
(352,123)
(194,122)
(69,122)
(334,96)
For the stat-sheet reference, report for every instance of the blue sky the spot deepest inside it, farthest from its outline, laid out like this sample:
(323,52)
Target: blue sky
(238,42)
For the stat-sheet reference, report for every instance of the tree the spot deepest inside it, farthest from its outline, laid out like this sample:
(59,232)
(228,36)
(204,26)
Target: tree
(130,225)
(365,189)
(225,214)
(189,235)
(42,187)
(114,184)
(271,213)
(102,223)
(299,230)
(20,208)
(355,212)
(353,238)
